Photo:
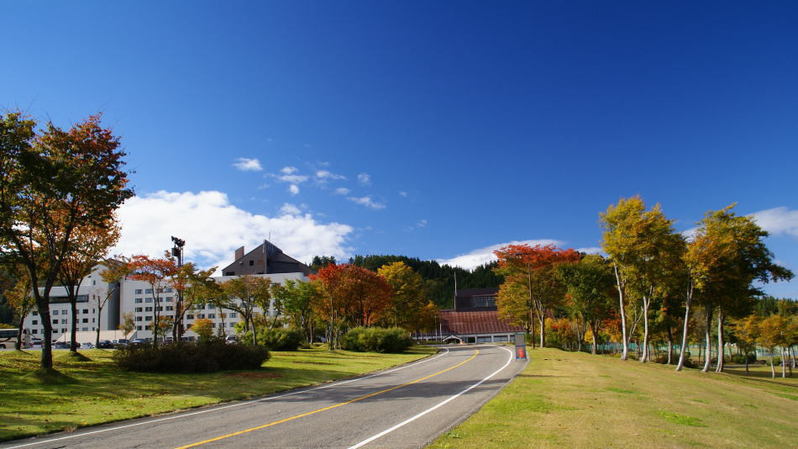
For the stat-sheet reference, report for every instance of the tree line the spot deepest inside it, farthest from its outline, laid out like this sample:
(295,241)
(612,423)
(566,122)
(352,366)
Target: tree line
(653,283)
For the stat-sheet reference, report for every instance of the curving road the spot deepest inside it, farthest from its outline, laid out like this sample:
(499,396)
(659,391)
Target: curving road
(404,407)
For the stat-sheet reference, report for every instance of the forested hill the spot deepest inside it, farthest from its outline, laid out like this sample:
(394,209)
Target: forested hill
(439,278)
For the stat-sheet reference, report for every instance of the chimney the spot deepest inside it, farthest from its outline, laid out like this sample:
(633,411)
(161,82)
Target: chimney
(239,253)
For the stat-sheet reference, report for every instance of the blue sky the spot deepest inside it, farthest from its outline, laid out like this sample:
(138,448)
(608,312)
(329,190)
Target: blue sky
(452,126)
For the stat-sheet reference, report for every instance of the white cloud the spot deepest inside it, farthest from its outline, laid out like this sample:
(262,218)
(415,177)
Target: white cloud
(290,209)
(422,223)
(366,201)
(591,250)
(213,228)
(288,170)
(403,194)
(481,256)
(341,191)
(293,189)
(364,178)
(326,175)
(246,164)
(778,221)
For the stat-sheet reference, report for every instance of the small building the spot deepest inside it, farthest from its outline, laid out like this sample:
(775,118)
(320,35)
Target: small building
(475,318)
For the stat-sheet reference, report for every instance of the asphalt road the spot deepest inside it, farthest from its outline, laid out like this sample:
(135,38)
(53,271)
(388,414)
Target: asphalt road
(404,407)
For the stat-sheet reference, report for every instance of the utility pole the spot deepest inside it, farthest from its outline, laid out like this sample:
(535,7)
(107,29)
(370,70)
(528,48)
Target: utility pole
(454,300)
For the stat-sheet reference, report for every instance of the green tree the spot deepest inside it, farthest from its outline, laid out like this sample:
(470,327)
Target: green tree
(203,327)
(245,295)
(127,326)
(297,300)
(589,285)
(50,184)
(114,270)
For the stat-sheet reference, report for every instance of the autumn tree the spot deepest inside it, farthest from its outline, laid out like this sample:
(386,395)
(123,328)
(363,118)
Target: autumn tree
(88,246)
(534,267)
(157,273)
(408,298)
(113,271)
(643,248)
(195,287)
(589,285)
(726,258)
(20,299)
(50,184)
(246,294)
(203,327)
(516,306)
(747,332)
(126,326)
(351,296)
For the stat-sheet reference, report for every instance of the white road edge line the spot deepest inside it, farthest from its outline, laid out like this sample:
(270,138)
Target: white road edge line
(434,407)
(216,409)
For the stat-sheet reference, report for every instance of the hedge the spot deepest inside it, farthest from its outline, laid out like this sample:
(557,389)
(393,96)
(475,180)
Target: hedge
(190,357)
(377,339)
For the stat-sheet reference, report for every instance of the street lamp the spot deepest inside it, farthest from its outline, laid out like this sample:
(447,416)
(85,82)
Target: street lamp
(177,251)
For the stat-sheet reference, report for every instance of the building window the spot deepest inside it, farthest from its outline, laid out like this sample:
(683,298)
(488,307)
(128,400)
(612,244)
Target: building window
(148,327)
(138,291)
(168,289)
(34,332)
(148,291)
(138,328)
(84,329)
(85,310)
(138,318)
(55,312)
(35,313)
(170,308)
(35,322)
(148,300)
(139,309)
(138,300)
(160,308)
(211,307)
(232,315)
(211,316)
(148,318)
(148,309)
(251,263)
(201,315)
(85,320)
(190,316)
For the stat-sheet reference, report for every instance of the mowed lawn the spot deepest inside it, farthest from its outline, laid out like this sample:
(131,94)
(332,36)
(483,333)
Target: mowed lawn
(575,400)
(95,391)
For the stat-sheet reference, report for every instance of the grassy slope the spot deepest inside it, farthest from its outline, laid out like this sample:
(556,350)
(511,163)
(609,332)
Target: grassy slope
(95,391)
(577,400)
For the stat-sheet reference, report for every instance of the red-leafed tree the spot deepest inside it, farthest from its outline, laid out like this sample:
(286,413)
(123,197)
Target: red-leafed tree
(156,273)
(351,296)
(532,268)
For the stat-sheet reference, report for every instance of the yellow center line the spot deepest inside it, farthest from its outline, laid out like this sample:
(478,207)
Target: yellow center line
(340,404)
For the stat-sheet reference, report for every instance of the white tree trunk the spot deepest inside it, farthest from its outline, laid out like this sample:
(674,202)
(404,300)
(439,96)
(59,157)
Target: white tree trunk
(682,350)
(708,342)
(619,284)
(644,357)
(719,368)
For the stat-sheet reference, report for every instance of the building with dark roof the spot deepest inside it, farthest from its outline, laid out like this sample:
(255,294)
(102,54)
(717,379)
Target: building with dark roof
(475,318)
(264,259)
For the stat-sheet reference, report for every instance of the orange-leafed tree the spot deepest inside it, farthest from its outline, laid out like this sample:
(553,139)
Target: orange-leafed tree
(351,296)
(533,268)
(156,273)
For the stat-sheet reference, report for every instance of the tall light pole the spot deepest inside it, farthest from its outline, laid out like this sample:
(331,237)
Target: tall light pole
(177,251)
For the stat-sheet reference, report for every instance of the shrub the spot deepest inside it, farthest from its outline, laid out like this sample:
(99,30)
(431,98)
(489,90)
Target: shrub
(377,339)
(741,358)
(190,357)
(280,339)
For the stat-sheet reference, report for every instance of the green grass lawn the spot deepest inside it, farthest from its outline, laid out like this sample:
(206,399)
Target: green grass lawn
(575,400)
(95,391)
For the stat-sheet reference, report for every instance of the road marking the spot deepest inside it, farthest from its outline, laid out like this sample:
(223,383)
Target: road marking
(224,407)
(330,407)
(440,404)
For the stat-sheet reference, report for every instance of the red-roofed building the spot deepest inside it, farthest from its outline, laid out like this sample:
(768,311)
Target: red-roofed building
(475,318)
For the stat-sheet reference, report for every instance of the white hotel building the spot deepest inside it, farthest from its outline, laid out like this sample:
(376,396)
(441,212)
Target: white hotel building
(136,298)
